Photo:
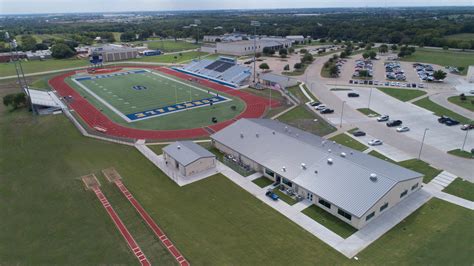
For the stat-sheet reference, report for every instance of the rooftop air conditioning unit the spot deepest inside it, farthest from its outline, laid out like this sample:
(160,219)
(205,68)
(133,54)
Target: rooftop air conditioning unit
(330,161)
(303,165)
(373,177)
(242,135)
(283,169)
(179,147)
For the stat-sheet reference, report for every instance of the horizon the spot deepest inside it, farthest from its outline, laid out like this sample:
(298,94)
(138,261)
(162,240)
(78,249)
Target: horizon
(31,7)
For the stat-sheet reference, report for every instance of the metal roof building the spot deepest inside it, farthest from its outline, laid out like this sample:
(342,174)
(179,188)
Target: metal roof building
(188,157)
(317,169)
(275,80)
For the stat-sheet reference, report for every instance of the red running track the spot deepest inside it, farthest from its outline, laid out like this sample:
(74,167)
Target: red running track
(132,244)
(255,108)
(153,226)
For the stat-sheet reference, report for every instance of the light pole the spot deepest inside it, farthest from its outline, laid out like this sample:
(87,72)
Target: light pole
(196,24)
(370,97)
(465,137)
(255,24)
(422,141)
(342,112)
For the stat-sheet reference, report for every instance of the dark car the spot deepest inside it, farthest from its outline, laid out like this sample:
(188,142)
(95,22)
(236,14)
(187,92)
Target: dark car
(358,133)
(315,103)
(271,195)
(451,122)
(443,119)
(351,81)
(353,94)
(327,111)
(394,123)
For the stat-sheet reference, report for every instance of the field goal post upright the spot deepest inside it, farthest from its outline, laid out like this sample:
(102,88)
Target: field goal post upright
(15,58)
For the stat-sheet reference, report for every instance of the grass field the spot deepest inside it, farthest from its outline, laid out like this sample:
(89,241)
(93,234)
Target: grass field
(461,188)
(170,45)
(461,153)
(303,118)
(160,92)
(420,166)
(52,220)
(442,58)
(380,156)
(403,95)
(440,110)
(367,111)
(330,221)
(461,36)
(348,141)
(467,104)
(8,69)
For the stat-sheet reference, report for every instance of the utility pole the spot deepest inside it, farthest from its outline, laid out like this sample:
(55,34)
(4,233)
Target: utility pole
(255,24)
(370,98)
(422,141)
(465,137)
(15,57)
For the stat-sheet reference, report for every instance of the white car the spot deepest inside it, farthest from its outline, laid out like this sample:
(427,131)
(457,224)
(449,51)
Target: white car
(403,129)
(321,107)
(383,118)
(375,142)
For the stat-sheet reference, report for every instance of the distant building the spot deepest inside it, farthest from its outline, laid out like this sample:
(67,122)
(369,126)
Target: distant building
(296,38)
(351,185)
(188,158)
(247,47)
(7,57)
(38,55)
(270,80)
(115,52)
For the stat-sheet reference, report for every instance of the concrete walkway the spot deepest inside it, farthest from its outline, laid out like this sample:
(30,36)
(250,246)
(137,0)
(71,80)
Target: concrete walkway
(435,192)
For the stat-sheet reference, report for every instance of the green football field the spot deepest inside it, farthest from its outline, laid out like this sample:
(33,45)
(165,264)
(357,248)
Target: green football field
(130,99)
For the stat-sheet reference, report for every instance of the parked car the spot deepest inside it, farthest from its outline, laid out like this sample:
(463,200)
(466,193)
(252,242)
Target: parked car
(467,127)
(272,195)
(375,142)
(358,133)
(451,122)
(321,107)
(327,111)
(471,92)
(421,85)
(315,103)
(351,81)
(403,129)
(383,118)
(394,123)
(353,94)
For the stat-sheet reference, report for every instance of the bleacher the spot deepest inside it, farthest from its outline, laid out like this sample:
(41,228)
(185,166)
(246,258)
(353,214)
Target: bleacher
(223,70)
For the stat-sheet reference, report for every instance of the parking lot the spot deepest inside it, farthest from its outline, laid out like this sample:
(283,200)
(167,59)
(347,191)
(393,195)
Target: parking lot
(440,136)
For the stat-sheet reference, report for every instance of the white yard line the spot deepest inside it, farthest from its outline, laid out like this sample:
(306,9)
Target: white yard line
(113,109)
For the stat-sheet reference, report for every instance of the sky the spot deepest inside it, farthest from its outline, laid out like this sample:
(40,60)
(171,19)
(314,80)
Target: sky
(68,6)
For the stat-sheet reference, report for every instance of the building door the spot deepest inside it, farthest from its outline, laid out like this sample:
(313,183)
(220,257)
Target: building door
(278,179)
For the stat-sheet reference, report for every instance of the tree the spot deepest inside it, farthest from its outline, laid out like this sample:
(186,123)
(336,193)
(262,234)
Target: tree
(462,97)
(61,50)
(363,73)
(333,71)
(264,66)
(28,43)
(41,46)
(365,55)
(127,36)
(283,51)
(372,55)
(258,55)
(15,100)
(286,68)
(439,75)
(446,47)
(298,66)
(268,51)
(394,47)
(343,54)
(291,50)
(307,58)
(464,45)
(303,51)
(383,49)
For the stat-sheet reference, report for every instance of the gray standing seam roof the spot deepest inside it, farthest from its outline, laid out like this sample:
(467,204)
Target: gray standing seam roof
(303,158)
(275,78)
(187,152)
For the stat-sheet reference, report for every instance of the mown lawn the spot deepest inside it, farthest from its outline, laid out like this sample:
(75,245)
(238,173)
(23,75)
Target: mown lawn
(262,182)
(461,153)
(348,141)
(8,69)
(303,118)
(380,156)
(440,110)
(420,166)
(367,111)
(328,220)
(170,45)
(403,95)
(442,58)
(467,104)
(461,188)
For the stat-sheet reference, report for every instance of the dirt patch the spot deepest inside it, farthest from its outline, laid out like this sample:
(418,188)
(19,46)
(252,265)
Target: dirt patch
(90,181)
(111,174)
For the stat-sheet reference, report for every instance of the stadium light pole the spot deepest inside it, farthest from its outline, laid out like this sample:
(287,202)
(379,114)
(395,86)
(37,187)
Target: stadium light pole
(465,137)
(422,141)
(370,97)
(196,24)
(255,24)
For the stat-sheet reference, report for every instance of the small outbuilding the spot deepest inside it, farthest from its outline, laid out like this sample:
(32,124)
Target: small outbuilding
(270,80)
(188,158)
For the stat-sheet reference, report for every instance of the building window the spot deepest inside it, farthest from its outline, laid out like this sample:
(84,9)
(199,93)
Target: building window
(414,186)
(344,214)
(325,203)
(309,197)
(404,193)
(368,217)
(287,182)
(384,206)
(269,172)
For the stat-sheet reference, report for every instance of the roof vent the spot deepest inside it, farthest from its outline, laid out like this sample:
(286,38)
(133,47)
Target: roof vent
(257,135)
(329,150)
(242,135)
(333,142)
(273,132)
(373,177)
(316,171)
(283,169)
(179,147)
(343,154)
(286,128)
(303,165)
(297,135)
(330,161)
